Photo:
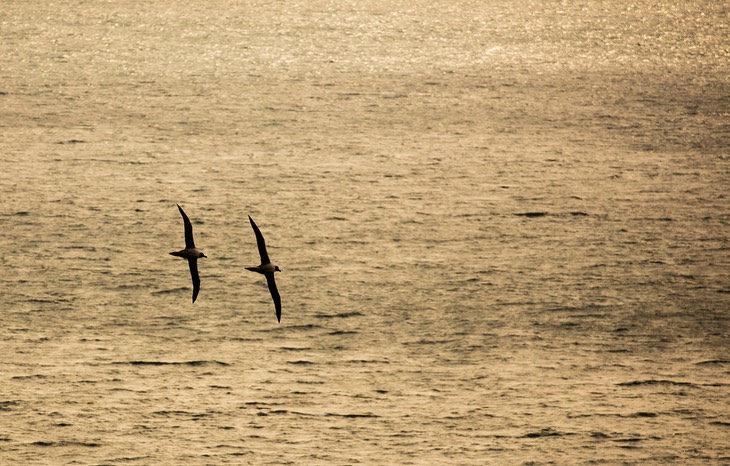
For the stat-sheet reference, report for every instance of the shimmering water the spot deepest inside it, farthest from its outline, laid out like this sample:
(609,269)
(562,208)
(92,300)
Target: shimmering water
(503,230)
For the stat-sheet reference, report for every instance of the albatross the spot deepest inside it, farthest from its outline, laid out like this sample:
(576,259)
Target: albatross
(191,253)
(266,268)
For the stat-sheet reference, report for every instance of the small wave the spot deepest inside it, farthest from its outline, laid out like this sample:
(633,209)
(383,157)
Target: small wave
(79,246)
(173,363)
(367,361)
(643,414)
(259,404)
(628,440)
(130,286)
(531,214)
(128,458)
(304,327)
(548,432)
(169,291)
(48,300)
(353,415)
(285,411)
(27,377)
(7,405)
(632,415)
(72,141)
(634,383)
(64,443)
(342,332)
(429,342)
(178,413)
(341,315)
(245,339)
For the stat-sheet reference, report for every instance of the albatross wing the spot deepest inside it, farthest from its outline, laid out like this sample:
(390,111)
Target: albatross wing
(189,242)
(261,244)
(193,263)
(274,294)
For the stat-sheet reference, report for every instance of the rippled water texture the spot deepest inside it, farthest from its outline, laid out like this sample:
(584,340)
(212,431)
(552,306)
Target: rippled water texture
(503,229)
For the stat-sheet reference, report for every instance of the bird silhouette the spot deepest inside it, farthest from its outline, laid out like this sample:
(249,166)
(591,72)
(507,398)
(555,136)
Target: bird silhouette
(266,268)
(191,253)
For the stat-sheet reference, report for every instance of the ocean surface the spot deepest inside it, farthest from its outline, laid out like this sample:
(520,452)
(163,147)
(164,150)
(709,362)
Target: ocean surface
(503,229)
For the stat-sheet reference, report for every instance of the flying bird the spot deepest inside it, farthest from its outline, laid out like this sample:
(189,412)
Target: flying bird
(266,268)
(191,253)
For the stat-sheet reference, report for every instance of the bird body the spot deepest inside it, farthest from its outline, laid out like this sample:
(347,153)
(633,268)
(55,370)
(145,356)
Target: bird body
(189,253)
(265,268)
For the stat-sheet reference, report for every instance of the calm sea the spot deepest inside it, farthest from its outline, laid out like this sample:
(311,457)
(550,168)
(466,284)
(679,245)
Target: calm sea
(502,228)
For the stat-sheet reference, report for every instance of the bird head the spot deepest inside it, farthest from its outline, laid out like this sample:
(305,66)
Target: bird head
(200,254)
(277,269)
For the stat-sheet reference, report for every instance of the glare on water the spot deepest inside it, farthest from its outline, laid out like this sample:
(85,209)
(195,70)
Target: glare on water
(502,229)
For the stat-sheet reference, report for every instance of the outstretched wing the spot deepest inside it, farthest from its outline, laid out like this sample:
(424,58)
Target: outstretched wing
(262,246)
(193,263)
(274,294)
(189,243)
